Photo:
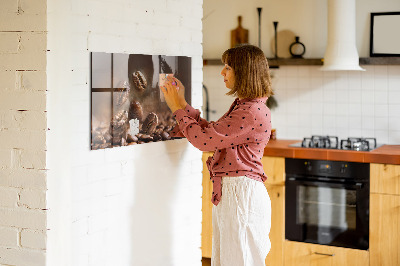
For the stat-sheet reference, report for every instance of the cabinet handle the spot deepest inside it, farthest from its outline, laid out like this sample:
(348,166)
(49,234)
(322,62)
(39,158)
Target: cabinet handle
(324,254)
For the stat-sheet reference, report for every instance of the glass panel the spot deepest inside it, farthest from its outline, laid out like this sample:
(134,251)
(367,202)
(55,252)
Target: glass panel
(101,70)
(328,207)
(101,120)
(120,72)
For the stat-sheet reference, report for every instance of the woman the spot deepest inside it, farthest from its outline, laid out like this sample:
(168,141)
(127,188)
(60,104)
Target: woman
(242,208)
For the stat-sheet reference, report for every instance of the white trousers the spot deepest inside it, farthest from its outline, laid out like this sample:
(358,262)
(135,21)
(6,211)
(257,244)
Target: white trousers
(241,223)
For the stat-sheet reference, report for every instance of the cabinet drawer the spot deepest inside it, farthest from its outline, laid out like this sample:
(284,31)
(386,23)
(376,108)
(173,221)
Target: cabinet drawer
(385,178)
(304,254)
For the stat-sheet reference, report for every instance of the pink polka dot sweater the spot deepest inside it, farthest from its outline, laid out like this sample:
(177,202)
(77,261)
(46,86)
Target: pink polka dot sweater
(238,139)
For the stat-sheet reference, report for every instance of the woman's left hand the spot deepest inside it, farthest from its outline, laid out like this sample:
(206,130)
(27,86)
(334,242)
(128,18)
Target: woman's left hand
(171,96)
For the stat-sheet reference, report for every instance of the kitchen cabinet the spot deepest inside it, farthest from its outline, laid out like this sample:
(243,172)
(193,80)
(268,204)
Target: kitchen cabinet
(206,226)
(385,215)
(274,168)
(305,254)
(385,178)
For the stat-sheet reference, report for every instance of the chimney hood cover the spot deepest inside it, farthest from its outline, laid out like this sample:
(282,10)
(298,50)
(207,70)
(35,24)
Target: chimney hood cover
(341,51)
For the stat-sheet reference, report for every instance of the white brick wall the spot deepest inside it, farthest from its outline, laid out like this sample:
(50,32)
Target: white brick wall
(23,132)
(136,205)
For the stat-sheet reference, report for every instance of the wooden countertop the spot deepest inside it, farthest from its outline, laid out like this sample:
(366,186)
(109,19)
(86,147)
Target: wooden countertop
(389,154)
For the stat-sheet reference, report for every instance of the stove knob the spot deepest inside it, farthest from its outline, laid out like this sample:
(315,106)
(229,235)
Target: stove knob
(343,168)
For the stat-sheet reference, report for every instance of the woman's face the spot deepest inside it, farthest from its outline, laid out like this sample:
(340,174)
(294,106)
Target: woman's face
(229,76)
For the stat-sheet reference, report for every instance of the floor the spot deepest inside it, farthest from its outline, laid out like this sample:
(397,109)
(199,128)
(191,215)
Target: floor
(206,261)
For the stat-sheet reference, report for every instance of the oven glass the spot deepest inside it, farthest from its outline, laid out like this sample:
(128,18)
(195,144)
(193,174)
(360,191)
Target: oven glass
(326,207)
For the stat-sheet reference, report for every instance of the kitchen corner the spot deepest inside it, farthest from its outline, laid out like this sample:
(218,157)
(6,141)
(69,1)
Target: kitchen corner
(382,171)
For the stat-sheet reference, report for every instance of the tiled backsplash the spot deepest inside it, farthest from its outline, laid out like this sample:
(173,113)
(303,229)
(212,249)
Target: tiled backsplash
(342,103)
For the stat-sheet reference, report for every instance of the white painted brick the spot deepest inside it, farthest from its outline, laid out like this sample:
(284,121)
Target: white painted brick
(33,199)
(16,139)
(17,256)
(8,197)
(8,6)
(20,217)
(35,159)
(98,222)
(8,80)
(9,42)
(33,239)
(30,80)
(23,100)
(33,120)
(8,237)
(31,61)
(23,178)
(22,22)
(5,158)
(36,7)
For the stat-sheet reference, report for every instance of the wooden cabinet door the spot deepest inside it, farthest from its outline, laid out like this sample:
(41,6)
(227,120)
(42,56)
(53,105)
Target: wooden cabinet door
(384,237)
(304,254)
(385,178)
(277,233)
(206,232)
(274,168)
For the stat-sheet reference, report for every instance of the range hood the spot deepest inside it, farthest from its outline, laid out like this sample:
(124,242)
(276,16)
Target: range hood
(341,51)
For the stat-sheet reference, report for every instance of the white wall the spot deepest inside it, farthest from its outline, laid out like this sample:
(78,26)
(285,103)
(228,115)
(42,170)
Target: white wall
(306,19)
(136,205)
(23,133)
(311,102)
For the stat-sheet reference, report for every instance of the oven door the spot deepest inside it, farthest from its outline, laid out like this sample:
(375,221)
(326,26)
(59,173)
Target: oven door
(327,213)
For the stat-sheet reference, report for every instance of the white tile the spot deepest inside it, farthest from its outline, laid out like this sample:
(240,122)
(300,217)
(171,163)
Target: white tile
(394,97)
(303,82)
(355,96)
(355,109)
(291,71)
(367,110)
(394,137)
(367,133)
(342,109)
(382,136)
(292,83)
(381,84)
(355,132)
(354,80)
(381,123)
(342,96)
(394,123)
(304,72)
(381,110)
(394,110)
(367,96)
(381,71)
(355,122)
(367,122)
(329,109)
(394,70)
(342,122)
(394,83)
(381,97)
(342,81)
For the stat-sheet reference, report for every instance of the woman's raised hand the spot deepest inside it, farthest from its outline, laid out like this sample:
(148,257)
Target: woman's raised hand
(174,94)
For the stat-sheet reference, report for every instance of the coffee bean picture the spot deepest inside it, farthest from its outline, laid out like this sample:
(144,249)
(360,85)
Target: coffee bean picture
(126,105)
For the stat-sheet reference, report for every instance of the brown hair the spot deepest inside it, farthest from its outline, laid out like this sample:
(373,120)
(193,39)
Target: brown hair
(250,66)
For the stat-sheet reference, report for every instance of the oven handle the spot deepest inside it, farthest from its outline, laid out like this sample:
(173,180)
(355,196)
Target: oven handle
(357,185)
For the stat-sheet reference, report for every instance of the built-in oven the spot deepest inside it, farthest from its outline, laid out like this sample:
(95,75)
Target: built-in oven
(327,202)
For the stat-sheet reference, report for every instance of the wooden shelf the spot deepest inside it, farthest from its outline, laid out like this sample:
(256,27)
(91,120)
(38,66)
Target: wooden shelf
(274,63)
(380,61)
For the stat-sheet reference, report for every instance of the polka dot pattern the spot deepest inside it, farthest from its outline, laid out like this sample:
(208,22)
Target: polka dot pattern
(238,139)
